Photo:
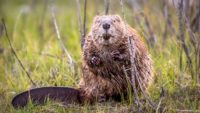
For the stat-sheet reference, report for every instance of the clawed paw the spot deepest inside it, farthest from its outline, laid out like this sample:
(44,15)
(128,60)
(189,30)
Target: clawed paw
(95,61)
(116,55)
(102,99)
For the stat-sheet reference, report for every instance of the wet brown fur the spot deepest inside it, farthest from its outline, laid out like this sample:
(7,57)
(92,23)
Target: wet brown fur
(112,77)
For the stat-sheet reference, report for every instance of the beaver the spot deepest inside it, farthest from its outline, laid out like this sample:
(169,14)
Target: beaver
(106,65)
(106,59)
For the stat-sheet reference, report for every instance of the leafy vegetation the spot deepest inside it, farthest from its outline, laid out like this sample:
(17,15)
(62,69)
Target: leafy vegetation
(31,31)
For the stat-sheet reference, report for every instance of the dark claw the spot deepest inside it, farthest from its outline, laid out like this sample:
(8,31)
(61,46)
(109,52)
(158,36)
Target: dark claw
(95,61)
(102,99)
(116,55)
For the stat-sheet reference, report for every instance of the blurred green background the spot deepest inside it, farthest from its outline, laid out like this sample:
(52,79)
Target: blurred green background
(31,31)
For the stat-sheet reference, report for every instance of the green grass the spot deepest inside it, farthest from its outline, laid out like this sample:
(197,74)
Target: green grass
(32,34)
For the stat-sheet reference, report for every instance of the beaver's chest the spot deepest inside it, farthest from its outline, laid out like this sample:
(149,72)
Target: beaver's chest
(112,67)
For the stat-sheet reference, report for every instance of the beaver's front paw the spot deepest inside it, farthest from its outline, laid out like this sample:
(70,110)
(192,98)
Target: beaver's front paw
(116,55)
(102,99)
(95,61)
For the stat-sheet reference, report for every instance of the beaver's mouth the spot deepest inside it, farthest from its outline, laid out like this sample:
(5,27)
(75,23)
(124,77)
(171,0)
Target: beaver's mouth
(106,36)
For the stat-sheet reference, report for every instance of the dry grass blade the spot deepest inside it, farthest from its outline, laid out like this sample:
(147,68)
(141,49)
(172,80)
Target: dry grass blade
(196,21)
(181,37)
(168,23)
(192,36)
(84,24)
(80,21)
(195,43)
(15,54)
(122,8)
(107,6)
(166,16)
(152,39)
(71,61)
(159,104)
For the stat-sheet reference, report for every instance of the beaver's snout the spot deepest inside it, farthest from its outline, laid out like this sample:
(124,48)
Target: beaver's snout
(106,26)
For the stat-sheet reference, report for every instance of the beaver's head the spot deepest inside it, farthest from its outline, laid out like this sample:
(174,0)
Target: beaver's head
(107,29)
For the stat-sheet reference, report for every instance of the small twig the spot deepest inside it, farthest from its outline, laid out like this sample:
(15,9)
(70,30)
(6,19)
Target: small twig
(181,37)
(122,8)
(137,78)
(84,24)
(80,21)
(15,54)
(107,6)
(124,17)
(196,21)
(134,72)
(192,36)
(168,23)
(194,42)
(151,103)
(96,8)
(133,68)
(71,61)
(159,104)
(166,17)
(152,39)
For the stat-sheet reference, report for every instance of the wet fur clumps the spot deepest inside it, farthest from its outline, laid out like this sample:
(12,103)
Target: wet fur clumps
(106,60)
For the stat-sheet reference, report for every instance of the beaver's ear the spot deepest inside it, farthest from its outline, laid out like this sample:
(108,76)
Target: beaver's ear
(117,18)
(96,18)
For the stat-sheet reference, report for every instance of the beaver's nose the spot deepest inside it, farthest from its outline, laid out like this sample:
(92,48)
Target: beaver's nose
(106,26)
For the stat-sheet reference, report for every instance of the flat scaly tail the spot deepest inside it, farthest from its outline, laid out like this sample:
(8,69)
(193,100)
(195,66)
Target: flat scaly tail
(41,95)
